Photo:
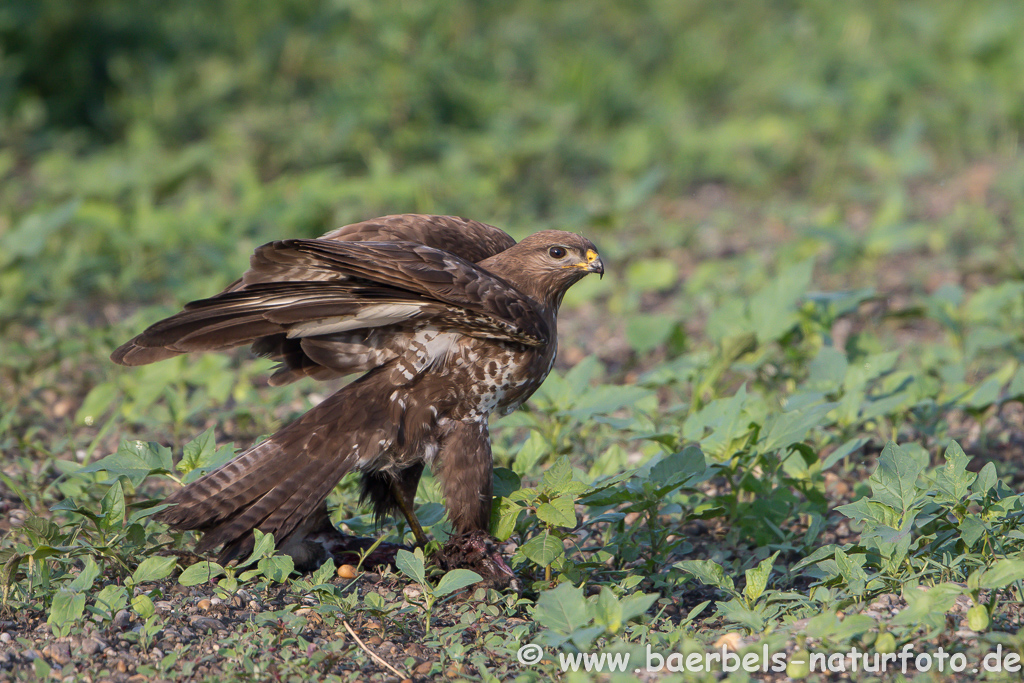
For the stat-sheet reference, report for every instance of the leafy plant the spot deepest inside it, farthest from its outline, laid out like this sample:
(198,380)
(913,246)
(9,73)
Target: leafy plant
(412,565)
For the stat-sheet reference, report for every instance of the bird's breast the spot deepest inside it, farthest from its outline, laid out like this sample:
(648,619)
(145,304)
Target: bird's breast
(500,376)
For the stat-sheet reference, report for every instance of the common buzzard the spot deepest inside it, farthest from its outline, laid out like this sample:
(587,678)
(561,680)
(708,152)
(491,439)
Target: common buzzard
(447,320)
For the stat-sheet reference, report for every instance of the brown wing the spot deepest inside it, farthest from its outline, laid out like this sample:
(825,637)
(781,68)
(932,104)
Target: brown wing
(470,240)
(326,308)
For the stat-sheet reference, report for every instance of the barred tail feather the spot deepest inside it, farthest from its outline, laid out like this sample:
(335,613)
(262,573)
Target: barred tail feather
(277,484)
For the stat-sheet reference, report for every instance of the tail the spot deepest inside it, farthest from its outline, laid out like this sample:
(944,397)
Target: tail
(278,484)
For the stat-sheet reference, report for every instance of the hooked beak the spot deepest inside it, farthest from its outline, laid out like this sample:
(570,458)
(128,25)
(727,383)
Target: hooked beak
(594,263)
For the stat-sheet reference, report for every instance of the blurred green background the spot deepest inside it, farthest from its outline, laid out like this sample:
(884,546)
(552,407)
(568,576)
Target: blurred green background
(148,147)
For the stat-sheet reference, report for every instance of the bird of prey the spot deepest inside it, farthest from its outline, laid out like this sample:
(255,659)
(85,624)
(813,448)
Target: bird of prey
(448,321)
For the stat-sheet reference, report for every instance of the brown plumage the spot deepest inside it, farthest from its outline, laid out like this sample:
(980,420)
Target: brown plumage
(449,320)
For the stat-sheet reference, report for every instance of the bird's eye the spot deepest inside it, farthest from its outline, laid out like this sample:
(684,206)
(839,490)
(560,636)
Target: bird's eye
(556,252)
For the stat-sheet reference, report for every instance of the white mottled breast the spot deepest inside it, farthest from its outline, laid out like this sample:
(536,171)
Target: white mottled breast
(501,375)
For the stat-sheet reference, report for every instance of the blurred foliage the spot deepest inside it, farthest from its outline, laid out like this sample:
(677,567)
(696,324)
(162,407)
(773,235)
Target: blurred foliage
(170,138)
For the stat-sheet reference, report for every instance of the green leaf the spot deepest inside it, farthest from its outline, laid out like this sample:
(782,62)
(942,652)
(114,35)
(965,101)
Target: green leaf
(83,582)
(851,572)
(29,237)
(827,371)
(562,609)
(736,612)
(153,569)
(647,331)
(557,477)
(757,578)
(784,429)
(200,572)
(708,572)
(894,482)
(954,481)
(135,460)
(971,529)
(263,547)
(727,420)
(505,482)
(986,479)
(1002,574)
(677,469)
(927,607)
(607,610)
(636,604)
(96,403)
(454,580)
(583,374)
(543,549)
(652,274)
(143,606)
(67,608)
(113,507)
(277,568)
(504,516)
(201,453)
(843,451)
(112,599)
(828,625)
(559,512)
(866,510)
(530,453)
(772,310)
(411,564)
(324,573)
(605,399)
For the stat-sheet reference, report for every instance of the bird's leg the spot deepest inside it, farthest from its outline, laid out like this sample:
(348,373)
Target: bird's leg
(410,515)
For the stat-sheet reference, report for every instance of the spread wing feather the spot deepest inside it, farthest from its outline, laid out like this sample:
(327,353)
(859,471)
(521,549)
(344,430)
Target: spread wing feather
(355,289)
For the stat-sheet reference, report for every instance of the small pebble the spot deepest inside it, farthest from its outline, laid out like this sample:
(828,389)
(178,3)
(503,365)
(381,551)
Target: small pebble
(424,668)
(216,601)
(204,604)
(91,646)
(374,640)
(122,619)
(58,652)
(5,637)
(346,571)
(207,623)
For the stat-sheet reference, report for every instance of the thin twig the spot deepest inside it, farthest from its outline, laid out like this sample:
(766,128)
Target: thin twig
(370,652)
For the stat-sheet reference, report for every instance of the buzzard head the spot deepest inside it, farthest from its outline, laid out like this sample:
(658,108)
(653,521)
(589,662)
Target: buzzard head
(547,263)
